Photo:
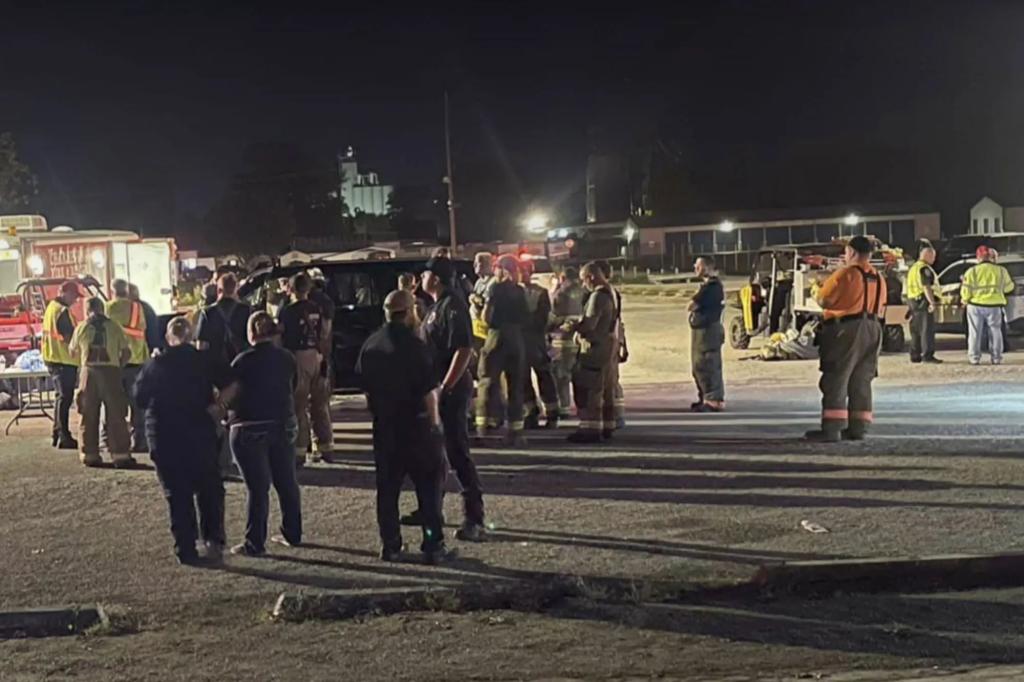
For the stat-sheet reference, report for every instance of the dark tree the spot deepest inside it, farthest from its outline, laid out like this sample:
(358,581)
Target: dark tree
(17,182)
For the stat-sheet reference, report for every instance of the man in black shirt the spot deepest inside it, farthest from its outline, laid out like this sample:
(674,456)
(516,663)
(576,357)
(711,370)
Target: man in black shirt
(503,353)
(303,333)
(398,374)
(449,335)
(177,392)
(221,329)
(706,338)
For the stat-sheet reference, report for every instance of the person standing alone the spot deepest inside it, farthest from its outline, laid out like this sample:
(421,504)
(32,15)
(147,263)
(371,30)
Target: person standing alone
(58,329)
(922,298)
(984,290)
(303,333)
(706,338)
(853,301)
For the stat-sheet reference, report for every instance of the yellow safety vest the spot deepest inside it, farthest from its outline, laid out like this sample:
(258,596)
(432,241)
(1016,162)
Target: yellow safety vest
(99,345)
(986,284)
(130,316)
(915,287)
(55,349)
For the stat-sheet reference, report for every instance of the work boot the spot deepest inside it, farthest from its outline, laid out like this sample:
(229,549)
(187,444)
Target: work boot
(696,406)
(584,437)
(551,422)
(125,462)
(439,555)
(391,555)
(823,436)
(66,443)
(514,439)
(532,421)
(471,532)
(90,460)
(932,361)
(607,434)
(852,434)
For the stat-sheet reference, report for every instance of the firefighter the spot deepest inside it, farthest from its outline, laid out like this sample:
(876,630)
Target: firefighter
(58,329)
(303,333)
(593,380)
(706,338)
(177,392)
(622,352)
(538,353)
(398,374)
(502,355)
(102,349)
(153,338)
(984,290)
(132,317)
(923,299)
(853,301)
(567,309)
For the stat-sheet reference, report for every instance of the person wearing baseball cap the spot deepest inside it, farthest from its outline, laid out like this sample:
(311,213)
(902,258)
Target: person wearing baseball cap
(398,374)
(983,290)
(853,301)
(58,327)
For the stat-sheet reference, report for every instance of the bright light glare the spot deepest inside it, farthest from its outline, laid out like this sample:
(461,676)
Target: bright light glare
(852,219)
(35,265)
(4,245)
(536,222)
(629,233)
(727,226)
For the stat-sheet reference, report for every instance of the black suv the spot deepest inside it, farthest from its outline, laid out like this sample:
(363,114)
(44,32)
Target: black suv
(358,289)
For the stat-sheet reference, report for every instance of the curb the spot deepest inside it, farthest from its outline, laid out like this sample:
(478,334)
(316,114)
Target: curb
(49,622)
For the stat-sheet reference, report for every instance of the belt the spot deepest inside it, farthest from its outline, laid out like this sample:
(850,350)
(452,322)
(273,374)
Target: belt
(849,318)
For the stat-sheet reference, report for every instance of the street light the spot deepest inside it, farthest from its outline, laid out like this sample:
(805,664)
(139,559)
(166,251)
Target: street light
(629,233)
(852,220)
(536,222)
(727,226)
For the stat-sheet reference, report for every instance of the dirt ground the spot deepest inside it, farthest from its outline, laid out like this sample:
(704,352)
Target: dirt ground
(678,497)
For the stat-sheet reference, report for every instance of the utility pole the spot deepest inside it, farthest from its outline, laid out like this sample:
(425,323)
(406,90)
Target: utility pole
(448,178)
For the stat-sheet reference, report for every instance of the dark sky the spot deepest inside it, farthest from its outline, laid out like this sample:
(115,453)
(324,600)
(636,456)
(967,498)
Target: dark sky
(136,117)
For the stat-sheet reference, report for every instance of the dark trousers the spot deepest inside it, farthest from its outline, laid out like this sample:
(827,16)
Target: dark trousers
(190,478)
(454,410)
(65,378)
(408,448)
(265,455)
(849,363)
(538,362)
(706,362)
(922,331)
(501,356)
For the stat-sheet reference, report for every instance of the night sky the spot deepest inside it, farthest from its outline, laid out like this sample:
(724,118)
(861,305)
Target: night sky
(137,118)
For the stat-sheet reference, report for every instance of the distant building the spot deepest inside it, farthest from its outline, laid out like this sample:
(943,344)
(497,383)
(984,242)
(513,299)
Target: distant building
(362,193)
(989,217)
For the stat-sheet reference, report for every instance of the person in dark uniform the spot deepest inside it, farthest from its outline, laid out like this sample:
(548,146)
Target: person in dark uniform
(449,335)
(538,353)
(177,393)
(153,337)
(58,328)
(397,373)
(263,433)
(922,298)
(853,300)
(503,354)
(706,338)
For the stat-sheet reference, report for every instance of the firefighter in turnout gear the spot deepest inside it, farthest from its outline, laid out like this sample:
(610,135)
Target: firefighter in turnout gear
(102,349)
(538,358)
(984,290)
(484,269)
(132,317)
(58,329)
(567,310)
(594,377)
(502,355)
(923,297)
(622,354)
(707,335)
(853,300)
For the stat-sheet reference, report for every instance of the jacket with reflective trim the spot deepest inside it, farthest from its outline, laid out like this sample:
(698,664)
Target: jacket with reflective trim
(55,348)
(132,318)
(986,284)
(915,286)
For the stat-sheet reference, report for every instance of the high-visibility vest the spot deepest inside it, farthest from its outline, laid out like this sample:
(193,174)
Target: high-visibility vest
(130,316)
(99,342)
(915,286)
(986,284)
(55,349)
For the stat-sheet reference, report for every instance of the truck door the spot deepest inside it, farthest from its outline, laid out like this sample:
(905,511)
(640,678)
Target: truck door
(149,268)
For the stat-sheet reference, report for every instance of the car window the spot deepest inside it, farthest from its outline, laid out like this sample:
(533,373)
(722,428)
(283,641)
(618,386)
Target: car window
(353,289)
(954,273)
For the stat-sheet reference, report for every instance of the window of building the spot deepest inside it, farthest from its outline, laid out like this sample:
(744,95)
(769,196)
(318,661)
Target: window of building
(752,238)
(802,234)
(826,233)
(974,226)
(777,235)
(702,241)
(984,225)
(903,235)
(996,229)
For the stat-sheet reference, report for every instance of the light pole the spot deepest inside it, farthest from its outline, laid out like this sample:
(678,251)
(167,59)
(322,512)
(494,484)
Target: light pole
(448,179)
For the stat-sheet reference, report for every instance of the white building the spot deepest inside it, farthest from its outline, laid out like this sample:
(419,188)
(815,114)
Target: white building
(987,217)
(361,192)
